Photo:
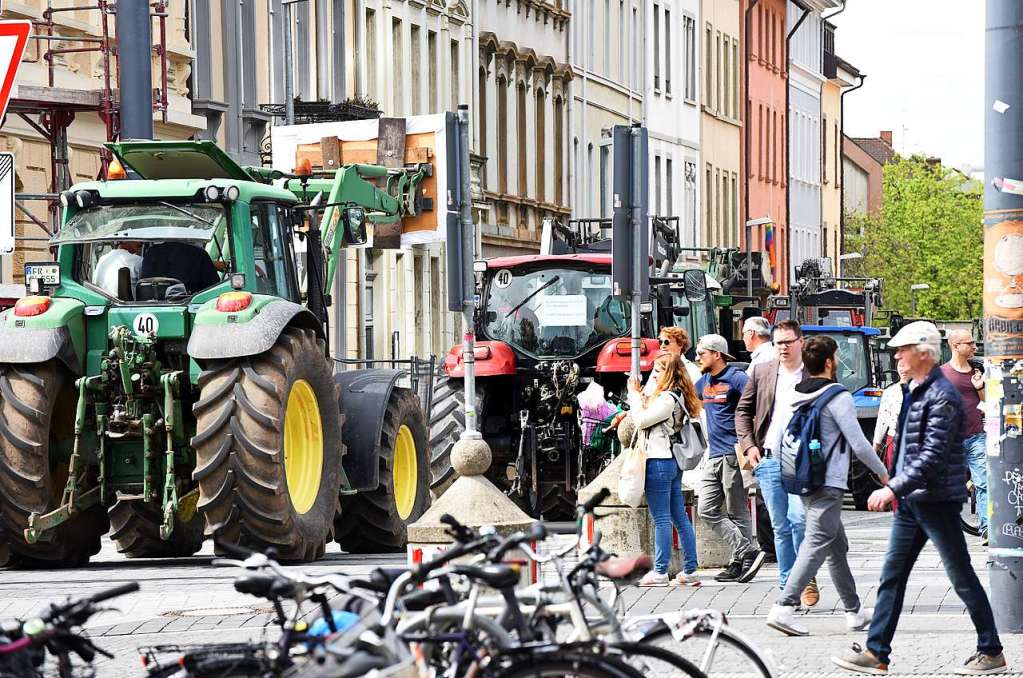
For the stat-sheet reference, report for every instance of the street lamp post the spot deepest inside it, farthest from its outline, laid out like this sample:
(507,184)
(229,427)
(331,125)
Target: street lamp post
(762,221)
(913,289)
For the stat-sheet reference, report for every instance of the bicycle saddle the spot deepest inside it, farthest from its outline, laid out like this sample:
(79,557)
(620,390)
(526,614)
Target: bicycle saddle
(625,568)
(380,579)
(494,576)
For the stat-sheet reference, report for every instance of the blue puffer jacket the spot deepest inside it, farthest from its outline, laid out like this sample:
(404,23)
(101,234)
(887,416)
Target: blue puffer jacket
(935,464)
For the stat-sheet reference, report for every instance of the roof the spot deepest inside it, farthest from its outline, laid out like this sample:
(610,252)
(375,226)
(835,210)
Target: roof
(848,67)
(841,329)
(876,148)
(526,259)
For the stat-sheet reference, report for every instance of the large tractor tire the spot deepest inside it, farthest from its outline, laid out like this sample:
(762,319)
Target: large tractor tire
(378,520)
(447,421)
(37,409)
(268,448)
(135,528)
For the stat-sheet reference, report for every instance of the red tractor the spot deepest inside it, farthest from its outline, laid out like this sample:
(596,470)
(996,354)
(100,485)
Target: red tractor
(548,325)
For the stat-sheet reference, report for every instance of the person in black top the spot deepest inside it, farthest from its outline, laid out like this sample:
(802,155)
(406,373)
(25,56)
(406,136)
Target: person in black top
(190,264)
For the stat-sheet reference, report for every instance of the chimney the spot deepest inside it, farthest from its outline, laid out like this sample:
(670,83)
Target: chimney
(886,136)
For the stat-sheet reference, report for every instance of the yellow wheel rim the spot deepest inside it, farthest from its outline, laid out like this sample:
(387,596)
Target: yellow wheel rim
(303,446)
(406,472)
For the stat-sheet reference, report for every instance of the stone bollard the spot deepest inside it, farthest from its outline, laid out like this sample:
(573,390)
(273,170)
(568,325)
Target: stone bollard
(624,530)
(472,500)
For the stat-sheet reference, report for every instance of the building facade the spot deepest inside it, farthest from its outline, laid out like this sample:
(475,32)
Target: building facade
(72,104)
(863,161)
(763,44)
(721,122)
(522,82)
(841,76)
(672,113)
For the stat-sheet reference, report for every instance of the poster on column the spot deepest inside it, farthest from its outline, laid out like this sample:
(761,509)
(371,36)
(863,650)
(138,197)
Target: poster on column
(1003,286)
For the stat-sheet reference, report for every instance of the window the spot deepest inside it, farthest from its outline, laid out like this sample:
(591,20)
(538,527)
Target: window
(689,54)
(482,116)
(667,51)
(431,60)
(657,185)
(735,206)
(372,262)
(669,180)
(690,199)
(541,146)
(588,190)
(657,46)
(838,157)
(726,210)
(502,134)
(708,203)
(735,78)
(417,70)
(271,251)
(760,33)
(621,41)
(607,38)
(371,55)
(559,151)
(717,72)
(708,64)
(399,61)
(760,143)
(455,80)
(824,150)
(636,61)
(520,120)
(605,180)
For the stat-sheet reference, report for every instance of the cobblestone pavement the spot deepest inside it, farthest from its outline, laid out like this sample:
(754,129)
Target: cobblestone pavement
(186,601)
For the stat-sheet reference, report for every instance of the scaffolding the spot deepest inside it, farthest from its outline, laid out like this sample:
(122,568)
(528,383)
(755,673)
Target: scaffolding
(50,110)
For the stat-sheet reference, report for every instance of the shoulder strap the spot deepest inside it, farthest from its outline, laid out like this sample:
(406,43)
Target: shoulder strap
(829,394)
(680,404)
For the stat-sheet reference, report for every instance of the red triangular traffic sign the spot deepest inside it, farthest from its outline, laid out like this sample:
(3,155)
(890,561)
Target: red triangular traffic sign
(13,37)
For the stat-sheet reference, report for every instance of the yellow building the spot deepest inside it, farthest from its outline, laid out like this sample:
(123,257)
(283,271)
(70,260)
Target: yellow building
(76,98)
(720,123)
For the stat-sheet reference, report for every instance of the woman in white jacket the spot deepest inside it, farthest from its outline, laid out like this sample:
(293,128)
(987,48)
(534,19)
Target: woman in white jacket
(657,416)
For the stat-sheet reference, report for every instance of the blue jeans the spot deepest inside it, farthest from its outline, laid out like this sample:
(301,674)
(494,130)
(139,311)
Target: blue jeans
(915,523)
(667,506)
(976,457)
(788,518)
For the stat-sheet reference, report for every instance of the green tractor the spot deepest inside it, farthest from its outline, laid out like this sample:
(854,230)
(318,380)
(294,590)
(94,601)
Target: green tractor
(183,389)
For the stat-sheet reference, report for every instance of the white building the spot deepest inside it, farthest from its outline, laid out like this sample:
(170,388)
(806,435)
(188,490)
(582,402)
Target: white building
(806,77)
(672,112)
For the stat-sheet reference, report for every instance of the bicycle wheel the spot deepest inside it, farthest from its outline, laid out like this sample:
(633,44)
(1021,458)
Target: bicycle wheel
(729,655)
(534,665)
(969,518)
(657,662)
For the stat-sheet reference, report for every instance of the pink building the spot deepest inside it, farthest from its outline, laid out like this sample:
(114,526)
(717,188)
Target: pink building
(764,171)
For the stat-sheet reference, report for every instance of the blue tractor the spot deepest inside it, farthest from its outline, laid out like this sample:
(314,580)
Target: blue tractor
(859,370)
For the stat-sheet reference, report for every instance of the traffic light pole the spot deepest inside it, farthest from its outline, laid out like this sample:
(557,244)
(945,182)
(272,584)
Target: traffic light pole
(1003,306)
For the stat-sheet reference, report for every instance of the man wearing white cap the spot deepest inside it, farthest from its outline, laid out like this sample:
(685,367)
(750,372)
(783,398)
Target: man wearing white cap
(929,480)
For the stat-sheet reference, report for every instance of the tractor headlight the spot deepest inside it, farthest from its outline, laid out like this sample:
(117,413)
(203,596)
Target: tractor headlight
(212,193)
(232,193)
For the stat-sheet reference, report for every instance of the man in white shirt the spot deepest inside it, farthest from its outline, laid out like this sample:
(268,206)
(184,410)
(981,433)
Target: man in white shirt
(125,255)
(756,335)
(761,418)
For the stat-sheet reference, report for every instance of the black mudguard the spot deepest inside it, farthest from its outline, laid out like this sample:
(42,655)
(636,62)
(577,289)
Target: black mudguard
(20,346)
(363,398)
(252,338)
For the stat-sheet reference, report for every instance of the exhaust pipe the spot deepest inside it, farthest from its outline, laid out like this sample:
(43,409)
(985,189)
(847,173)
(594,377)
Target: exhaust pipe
(135,71)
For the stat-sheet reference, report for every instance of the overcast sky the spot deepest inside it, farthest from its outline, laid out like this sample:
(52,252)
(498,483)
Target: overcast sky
(924,61)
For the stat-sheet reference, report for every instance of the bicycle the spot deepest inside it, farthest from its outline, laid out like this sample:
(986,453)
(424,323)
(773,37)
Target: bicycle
(58,632)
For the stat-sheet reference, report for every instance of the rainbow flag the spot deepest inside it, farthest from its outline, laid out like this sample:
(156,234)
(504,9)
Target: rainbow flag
(770,245)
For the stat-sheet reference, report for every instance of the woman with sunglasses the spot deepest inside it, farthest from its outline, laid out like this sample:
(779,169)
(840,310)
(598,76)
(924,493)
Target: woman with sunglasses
(657,417)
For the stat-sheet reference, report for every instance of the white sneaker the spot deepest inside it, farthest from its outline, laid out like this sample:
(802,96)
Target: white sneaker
(652,578)
(859,620)
(783,618)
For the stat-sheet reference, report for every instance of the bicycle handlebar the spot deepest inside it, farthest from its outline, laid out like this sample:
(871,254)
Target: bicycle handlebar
(596,500)
(114,592)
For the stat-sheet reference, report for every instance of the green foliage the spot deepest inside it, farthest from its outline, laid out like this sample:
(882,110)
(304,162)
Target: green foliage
(929,230)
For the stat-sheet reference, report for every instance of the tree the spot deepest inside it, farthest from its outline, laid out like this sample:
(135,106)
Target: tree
(929,230)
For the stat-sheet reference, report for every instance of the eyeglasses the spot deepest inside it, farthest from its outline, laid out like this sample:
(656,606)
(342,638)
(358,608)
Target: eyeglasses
(966,343)
(782,343)
(665,343)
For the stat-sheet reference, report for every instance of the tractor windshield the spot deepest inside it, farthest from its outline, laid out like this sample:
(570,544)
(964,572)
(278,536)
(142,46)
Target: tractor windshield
(175,249)
(554,312)
(853,362)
